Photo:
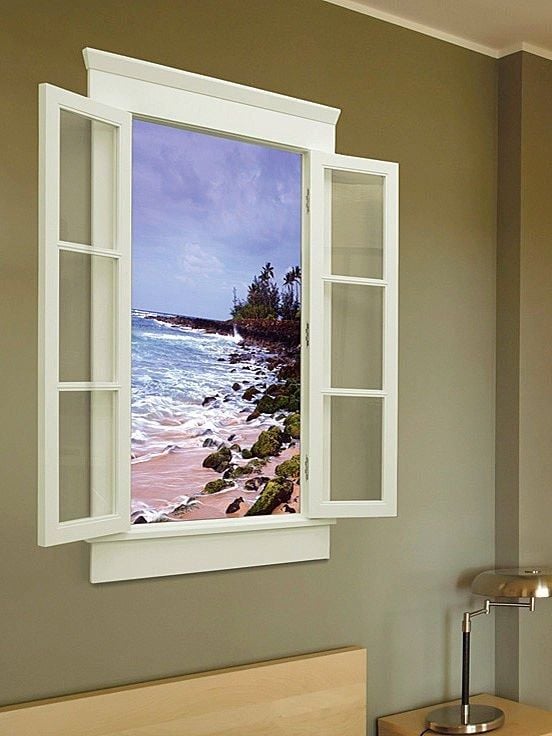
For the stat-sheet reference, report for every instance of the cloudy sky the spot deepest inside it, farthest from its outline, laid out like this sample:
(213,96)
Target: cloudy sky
(208,212)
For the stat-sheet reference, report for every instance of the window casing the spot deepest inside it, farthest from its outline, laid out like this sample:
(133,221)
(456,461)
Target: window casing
(118,88)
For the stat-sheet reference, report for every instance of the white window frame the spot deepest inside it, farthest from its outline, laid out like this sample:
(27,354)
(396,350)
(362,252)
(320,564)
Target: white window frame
(319,177)
(169,95)
(52,100)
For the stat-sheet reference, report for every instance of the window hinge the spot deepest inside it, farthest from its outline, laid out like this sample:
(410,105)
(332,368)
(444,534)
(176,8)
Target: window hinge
(307,334)
(307,200)
(307,467)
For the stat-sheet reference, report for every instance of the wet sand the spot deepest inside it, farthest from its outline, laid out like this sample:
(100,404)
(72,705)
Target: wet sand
(163,480)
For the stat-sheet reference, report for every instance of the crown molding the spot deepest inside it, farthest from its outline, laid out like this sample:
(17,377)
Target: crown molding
(495,53)
(528,48)
(413,26)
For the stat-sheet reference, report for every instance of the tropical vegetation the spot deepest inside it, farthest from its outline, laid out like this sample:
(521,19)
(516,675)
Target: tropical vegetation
(267,300)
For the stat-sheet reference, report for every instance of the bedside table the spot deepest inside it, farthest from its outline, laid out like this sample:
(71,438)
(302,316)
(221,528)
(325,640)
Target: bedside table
(521,720)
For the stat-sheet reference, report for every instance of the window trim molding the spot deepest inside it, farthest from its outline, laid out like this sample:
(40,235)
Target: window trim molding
(113,559)
(162,94)
(146,71)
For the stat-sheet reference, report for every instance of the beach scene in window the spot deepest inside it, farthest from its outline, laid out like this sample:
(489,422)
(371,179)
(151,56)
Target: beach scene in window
(216,325)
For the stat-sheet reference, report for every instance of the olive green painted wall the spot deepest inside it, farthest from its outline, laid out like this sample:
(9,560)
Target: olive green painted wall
(395,586)
(524,360)
(535,394)
(507,363)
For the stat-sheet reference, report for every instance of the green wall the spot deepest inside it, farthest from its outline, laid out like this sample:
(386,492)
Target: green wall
(524,353)
(396,586)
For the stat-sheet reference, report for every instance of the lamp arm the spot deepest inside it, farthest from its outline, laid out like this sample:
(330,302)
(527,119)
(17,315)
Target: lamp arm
(466,635)
(468,615)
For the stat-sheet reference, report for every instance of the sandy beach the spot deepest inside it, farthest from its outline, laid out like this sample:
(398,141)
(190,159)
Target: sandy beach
(241,402)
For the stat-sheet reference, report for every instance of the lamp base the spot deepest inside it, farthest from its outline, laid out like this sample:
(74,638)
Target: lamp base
(481,718)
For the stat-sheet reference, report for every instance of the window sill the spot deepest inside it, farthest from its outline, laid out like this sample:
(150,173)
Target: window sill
(183,547)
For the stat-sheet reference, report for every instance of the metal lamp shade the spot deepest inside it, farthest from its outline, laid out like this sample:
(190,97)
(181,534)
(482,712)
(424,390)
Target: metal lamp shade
(522,582)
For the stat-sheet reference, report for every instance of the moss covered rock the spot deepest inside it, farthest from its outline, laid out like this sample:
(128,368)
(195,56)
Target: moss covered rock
(292,425)
(289,468)
(266,405)
(246,454)
(238,471)
(268,443)
(276,492)
(218,461)
(214,486)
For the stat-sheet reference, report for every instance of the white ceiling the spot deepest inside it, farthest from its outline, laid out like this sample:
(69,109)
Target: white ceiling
(493,27)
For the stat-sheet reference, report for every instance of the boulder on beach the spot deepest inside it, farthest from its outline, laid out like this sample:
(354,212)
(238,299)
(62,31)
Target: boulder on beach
(214,486)
(280,396)
(219,460)
(289,468)
(236,386)
(250,393)
(186,505)
(235,505)
(253,484)
(209,442)
(292,425)
(268,442)
(266,405)
(276,492)
(208,400)
(246,454)
(238,471)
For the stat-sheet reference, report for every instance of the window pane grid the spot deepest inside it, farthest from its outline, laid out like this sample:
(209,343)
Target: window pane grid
(84,235)
(356,234)
(88,386)
(356,280)
(66,245)
(359,343)
(358,392)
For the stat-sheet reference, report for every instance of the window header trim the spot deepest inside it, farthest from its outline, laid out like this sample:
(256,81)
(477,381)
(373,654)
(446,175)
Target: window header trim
(146,71)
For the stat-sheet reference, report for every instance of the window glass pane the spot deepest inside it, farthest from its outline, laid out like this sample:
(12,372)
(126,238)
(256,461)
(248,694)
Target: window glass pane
(357,224)
(86,447)
(355,448)
(356,336)
(86,317)
(87,178)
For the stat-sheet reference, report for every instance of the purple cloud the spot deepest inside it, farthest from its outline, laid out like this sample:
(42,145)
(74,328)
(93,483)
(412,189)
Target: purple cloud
(207,213)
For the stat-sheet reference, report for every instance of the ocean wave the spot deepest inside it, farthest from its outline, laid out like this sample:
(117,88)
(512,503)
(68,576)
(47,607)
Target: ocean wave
(162,508)
(173,370)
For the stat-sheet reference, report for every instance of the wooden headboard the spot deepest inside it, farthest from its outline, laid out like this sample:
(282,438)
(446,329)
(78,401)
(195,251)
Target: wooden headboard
(322,694)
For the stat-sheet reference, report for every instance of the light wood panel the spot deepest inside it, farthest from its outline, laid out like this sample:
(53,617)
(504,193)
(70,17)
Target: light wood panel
(322,694)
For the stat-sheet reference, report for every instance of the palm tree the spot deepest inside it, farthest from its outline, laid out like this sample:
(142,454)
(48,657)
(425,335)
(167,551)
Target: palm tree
(296,280)
(289,278)
(267,272)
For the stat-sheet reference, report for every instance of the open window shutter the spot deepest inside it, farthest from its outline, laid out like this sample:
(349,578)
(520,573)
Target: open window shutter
(353,336)
(84,320)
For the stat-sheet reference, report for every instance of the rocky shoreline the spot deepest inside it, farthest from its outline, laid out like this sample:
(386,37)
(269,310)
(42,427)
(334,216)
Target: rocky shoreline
(247,476)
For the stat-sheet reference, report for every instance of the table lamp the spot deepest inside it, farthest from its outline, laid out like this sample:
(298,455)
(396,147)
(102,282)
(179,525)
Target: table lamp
(522,585)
